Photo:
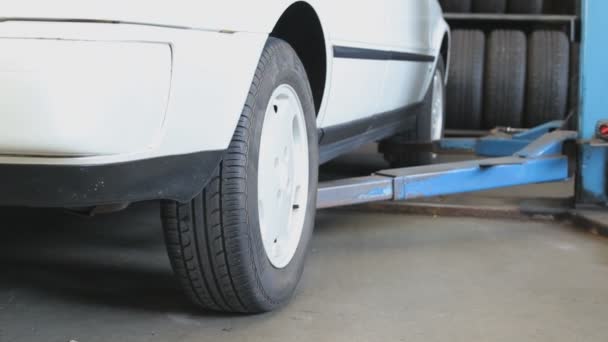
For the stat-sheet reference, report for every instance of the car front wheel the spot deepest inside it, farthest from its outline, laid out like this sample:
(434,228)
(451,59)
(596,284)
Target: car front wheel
(240,245)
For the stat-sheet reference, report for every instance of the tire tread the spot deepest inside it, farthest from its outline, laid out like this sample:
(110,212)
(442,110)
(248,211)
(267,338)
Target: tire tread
(489,6)
(210,266)
(464,93)
(548,77)
(456,6)
(526,6)
(505,79)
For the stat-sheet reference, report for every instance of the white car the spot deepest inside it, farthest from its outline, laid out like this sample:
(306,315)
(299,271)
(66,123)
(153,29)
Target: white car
(223,110)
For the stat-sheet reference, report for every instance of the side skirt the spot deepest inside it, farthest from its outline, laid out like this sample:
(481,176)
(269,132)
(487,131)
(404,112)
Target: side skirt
(340,139)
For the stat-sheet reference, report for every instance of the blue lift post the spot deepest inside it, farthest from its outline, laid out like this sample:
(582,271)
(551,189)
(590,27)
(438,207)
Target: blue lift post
(592,185)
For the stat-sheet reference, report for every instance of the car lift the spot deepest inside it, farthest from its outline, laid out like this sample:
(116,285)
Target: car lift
(534,156)
(538,155)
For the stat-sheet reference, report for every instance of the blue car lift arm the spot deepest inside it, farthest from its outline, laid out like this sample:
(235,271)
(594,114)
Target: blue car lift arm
(540,161)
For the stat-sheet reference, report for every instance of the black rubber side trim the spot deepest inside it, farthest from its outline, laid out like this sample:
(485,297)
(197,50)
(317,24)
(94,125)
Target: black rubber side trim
(344,131)
(177,178)
(343,138)
(380,55)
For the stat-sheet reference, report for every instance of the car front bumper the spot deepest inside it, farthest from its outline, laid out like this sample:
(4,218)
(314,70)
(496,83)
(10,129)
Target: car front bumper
(102,113)
(177,178)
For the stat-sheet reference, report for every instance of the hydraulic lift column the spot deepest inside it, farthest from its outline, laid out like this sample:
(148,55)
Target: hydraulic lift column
(592,185)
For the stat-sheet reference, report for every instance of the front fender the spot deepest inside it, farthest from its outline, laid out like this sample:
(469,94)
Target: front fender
(440,31)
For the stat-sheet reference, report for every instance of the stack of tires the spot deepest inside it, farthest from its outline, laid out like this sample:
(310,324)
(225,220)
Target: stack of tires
(508,78)
(510,6)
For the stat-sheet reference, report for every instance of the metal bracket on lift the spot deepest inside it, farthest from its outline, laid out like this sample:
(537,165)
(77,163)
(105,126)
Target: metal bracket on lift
(538,160)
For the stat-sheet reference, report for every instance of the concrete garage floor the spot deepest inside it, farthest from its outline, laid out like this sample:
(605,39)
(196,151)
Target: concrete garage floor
(370,277)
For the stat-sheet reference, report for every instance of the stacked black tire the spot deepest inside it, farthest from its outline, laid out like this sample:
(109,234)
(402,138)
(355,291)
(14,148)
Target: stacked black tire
(508,78)
(489,6)
(456,6)
(548,77)
(505,79)
(525,6)
(510,6)
(464,93)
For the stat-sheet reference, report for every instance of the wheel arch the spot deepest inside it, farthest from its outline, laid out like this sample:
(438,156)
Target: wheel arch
(444,51)
(311,44)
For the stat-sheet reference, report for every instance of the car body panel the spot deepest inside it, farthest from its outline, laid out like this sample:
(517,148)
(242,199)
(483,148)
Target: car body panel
(370,24)
(193,14)
(210,51)
(83,97)
(234,15)
(193,104)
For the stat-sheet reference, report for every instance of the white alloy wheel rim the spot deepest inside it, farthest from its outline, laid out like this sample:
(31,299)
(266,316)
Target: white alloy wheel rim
(438,108)
(283,171)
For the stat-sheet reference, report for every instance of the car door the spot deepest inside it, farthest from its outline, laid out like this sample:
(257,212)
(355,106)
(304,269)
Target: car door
(409,72)
(358,36)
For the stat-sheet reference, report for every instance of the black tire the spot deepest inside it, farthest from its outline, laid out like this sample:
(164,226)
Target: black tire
(505,79)
(464,93)
(489,6)
(456,6)
(214,241)
(548,77)
(419,140)
(574,97)
(526,6)
(561,6)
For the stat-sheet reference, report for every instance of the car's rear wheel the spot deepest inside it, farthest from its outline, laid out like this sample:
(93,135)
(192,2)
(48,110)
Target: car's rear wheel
(240,245)
(414,147)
